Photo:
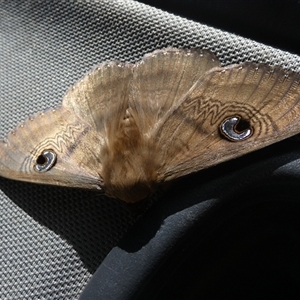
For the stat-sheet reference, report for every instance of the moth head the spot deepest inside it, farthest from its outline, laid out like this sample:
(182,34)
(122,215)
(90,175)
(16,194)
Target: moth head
(51,148)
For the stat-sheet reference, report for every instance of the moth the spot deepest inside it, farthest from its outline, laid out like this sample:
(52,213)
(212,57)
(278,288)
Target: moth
(127,128)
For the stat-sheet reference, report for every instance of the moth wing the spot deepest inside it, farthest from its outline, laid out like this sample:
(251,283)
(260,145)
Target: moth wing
(72,143)
(162,79)
(189,136)
(101,97)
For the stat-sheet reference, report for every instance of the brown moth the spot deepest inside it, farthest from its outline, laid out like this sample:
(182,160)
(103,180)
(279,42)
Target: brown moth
(127,128)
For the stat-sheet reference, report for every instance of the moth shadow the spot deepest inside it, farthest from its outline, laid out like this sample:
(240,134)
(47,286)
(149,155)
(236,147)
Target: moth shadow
(92,223)
(230,184)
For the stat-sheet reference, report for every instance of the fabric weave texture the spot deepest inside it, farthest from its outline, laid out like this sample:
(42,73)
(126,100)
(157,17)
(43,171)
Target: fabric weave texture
(52,239)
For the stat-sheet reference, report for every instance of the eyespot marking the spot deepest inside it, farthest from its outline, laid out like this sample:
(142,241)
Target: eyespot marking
(236,129)
(45,161)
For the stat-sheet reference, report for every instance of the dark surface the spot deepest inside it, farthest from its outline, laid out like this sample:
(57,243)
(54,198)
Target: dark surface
(272,22)
(232,233)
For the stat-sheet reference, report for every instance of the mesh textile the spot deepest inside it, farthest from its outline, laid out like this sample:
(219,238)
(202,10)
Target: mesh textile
(52,239)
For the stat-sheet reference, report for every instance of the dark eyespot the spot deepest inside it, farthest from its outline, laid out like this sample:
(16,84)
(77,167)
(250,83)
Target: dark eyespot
(41,160)
(236,129)
(242,125)
(45,161)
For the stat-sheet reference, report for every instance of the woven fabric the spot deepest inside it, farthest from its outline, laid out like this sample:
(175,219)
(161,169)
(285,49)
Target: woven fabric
(52,239)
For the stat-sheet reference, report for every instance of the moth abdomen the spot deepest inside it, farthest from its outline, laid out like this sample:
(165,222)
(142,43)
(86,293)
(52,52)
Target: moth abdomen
(129,166)
(130,177)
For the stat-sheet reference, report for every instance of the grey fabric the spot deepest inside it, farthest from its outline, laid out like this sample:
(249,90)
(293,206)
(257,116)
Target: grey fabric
(53,239)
